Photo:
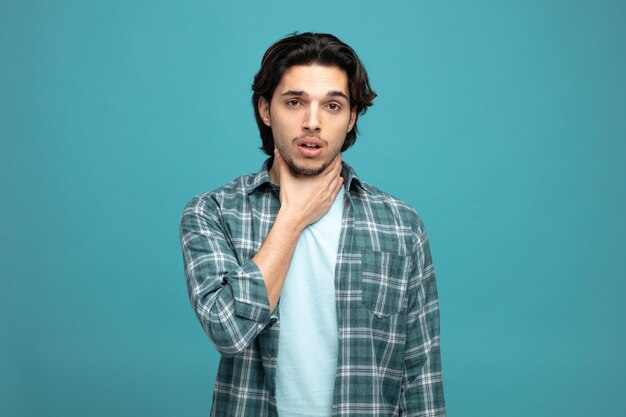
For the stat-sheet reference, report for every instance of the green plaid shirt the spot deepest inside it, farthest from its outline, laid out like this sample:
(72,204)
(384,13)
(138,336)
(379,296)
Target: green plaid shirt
(388,360)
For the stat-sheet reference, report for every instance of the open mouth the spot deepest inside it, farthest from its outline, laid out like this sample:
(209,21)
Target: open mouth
(310,148)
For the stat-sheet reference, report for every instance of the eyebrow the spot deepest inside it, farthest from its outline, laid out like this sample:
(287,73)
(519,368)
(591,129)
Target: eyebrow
(331,93)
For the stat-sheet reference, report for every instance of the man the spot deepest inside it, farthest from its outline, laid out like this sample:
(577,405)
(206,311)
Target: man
(317,289)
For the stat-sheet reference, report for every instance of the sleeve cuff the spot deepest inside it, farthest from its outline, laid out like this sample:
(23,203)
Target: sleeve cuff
(250,294)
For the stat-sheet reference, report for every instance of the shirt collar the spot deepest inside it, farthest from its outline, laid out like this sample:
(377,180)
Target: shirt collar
(351,180)
(260,178)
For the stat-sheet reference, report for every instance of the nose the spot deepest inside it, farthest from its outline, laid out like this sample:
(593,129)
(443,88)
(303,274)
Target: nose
(312,118)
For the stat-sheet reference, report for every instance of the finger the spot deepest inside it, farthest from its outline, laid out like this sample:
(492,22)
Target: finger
(335,190)
(335,184)
(338,165)
(334,167)
(338,158)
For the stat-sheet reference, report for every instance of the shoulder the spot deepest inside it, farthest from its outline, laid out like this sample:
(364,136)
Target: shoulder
(210,202)
(383,204)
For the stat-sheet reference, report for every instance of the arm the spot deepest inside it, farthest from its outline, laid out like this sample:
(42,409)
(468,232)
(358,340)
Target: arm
(229,299)
(233,302)
(303,200)
(422,386)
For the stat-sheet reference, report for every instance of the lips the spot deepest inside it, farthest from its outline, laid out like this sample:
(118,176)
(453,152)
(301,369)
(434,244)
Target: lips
(309,142)
(309,147)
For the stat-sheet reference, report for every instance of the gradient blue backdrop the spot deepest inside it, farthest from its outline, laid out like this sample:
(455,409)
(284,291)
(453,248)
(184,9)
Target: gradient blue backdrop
(503,123)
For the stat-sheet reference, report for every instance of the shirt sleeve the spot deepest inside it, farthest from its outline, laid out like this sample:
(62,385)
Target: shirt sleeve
(422,385)
(229,298)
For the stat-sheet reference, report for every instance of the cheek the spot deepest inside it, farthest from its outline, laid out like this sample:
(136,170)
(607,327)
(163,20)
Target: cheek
(283,127)
(281,135)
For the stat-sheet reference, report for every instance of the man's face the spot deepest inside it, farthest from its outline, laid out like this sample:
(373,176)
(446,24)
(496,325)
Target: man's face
(310,116)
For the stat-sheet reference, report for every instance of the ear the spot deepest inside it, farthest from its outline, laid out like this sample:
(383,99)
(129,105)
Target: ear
(352,118)
(264,111)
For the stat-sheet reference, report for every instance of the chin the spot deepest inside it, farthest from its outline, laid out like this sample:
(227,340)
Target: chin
(307,169)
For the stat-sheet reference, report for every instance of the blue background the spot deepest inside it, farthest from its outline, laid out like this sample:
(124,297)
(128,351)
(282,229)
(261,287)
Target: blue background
(502,122)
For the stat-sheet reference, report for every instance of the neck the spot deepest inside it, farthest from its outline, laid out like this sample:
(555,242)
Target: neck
(274,173)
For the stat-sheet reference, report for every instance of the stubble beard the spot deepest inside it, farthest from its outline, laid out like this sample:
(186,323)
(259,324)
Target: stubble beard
(304,170)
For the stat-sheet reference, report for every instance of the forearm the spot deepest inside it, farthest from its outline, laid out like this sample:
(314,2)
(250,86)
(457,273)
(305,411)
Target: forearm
(422,385)
(422,392)
(229,298)
(231,306)
(274,256)
(304,199)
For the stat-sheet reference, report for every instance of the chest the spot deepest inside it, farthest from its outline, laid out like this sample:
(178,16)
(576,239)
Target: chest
(372,257)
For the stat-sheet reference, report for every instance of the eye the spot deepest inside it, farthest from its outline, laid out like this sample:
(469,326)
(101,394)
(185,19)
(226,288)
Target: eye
(334,107)
(292,103)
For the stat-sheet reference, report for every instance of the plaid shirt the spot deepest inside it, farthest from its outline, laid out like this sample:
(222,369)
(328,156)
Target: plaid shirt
(388,361)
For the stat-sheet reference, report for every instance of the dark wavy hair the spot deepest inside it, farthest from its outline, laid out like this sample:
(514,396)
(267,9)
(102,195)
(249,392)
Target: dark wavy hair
(306,49)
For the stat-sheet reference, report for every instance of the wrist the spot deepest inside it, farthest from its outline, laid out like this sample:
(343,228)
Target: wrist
(290,221)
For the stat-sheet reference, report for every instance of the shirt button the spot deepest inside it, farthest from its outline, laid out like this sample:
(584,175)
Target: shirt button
(270,355)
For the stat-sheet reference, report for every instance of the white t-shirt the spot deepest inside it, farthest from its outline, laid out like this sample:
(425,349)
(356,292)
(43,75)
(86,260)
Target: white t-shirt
(307,345)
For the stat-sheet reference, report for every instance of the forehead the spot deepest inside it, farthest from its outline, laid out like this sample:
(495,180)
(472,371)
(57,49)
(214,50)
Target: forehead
(313,79)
